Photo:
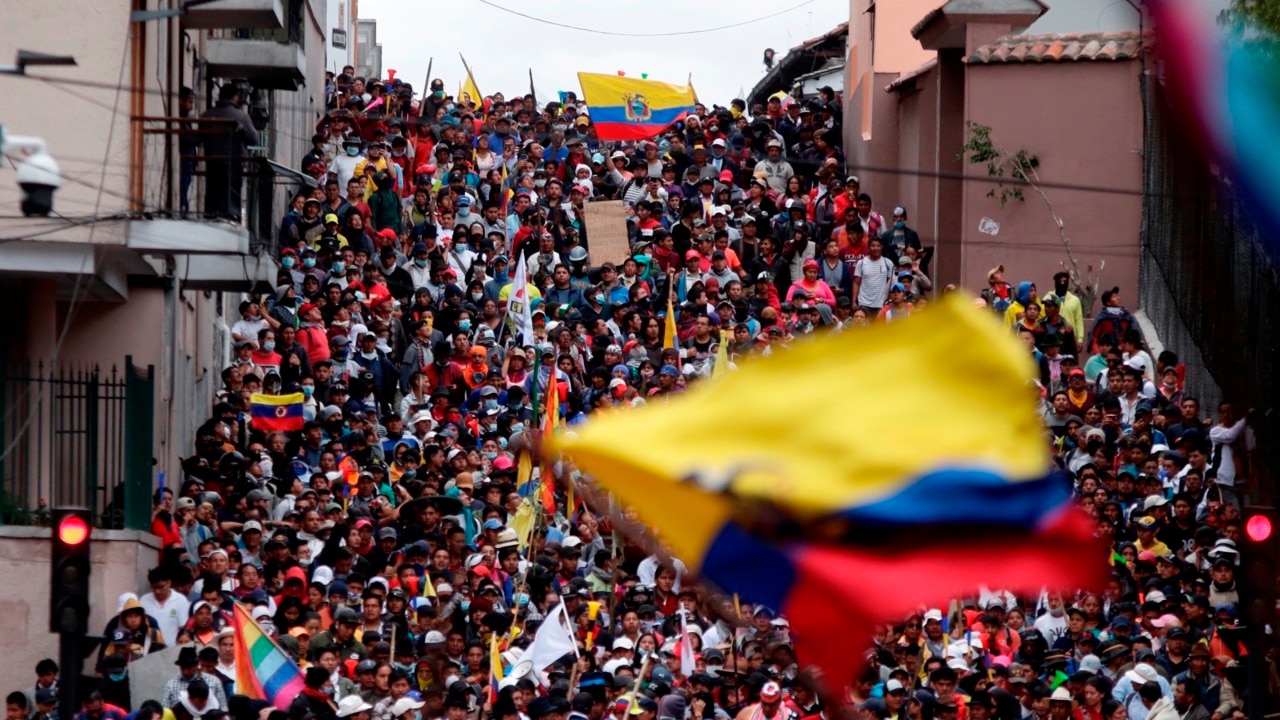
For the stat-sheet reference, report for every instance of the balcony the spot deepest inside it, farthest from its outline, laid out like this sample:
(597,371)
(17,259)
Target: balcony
(208,202)
(235,14)
(269,58)
(266,64)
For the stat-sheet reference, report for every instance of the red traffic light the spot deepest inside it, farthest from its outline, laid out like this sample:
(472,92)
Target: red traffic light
(1258,528)
(73,530)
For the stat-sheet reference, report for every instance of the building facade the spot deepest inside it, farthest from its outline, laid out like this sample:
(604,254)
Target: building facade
(1071,99)
(120,302)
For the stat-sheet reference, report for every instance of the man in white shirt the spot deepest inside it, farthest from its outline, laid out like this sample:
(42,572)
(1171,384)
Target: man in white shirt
(166,607)
(250,323)
(872,277)
(648,570)
(1053,623)
(1231,439)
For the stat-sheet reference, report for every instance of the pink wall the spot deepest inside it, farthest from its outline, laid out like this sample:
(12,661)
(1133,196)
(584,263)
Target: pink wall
(896,51)
(105,332)
(868,109)
(1084,121)
(917,149)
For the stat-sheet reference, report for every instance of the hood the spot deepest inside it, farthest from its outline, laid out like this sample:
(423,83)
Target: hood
(1024,293)
(672,706)
(296,573)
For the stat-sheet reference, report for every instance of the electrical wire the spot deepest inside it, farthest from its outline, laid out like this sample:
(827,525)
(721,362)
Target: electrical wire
(676,33)
(77,295)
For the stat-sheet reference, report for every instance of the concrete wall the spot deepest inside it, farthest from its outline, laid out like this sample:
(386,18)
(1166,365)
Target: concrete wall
(96,33)
(119,563)
(339,15)
(1084,122)
(176,332)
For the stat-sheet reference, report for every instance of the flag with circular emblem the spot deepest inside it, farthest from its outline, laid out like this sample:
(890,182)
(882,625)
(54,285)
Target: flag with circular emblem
(277,413)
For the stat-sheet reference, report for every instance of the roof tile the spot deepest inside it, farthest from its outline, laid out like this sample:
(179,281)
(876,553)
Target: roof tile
(1060,47)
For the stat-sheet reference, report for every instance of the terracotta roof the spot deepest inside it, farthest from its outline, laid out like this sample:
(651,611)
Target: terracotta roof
(1063,47)
(841,29)
(907,77)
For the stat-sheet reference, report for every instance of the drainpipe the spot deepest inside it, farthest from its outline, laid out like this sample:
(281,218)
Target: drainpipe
(137,107)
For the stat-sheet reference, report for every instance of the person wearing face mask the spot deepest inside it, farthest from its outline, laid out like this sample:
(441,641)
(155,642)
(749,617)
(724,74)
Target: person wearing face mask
(461,255)
(115,682)
(720,159)
(344,166)
(292,266)
(897,237)
(1068,304)
(419,267)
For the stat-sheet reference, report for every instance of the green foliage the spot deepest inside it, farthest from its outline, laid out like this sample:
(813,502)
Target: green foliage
(979,149)
(1256,23)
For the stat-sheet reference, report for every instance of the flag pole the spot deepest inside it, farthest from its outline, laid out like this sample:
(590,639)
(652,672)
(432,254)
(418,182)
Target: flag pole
(533,92)
(478,101)
(426,87)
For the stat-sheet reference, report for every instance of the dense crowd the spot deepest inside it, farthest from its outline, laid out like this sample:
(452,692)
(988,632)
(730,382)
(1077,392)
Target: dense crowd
(379,544)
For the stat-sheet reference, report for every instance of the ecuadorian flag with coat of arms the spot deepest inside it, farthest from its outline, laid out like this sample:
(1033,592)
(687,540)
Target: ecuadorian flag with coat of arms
(624,108)
(277,413)
(804,491)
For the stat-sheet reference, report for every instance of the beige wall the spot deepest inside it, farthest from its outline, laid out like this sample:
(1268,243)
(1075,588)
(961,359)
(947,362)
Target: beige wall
(81,125)
(1084,122)
(173,331)
(119,563)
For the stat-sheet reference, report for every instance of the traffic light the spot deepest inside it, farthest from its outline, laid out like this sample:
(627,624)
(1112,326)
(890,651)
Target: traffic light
(69,584)
(1258,566)
(1259,570)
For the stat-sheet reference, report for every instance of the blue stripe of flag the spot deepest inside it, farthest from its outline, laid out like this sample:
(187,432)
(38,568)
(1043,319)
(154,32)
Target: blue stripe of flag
(972,496)
(618,114)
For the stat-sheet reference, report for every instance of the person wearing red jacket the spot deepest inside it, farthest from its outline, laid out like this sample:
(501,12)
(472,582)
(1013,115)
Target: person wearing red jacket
(163,524)
(311,334)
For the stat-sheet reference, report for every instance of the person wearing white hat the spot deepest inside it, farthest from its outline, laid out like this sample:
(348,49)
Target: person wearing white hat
(405,707)
(354,707)
(935,639)
(623,649)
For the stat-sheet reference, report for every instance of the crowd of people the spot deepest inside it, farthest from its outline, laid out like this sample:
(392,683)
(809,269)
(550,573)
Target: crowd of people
(378,545)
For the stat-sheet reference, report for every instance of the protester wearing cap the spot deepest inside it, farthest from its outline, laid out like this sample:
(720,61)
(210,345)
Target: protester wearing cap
(342,636)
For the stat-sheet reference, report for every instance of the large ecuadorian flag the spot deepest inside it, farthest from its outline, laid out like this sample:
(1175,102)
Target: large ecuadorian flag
(854,478)
(624,108)
(277,413)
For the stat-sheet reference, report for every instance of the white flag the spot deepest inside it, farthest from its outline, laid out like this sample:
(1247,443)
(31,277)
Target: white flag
(551,643)
(519,309)
(687,664)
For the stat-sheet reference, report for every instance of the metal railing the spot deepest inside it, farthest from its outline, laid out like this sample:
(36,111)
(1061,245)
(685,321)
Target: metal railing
(292,32)
(76,436)
(200,169)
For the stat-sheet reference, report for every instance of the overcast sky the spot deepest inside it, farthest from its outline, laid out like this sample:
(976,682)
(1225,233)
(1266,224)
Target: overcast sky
(501,47)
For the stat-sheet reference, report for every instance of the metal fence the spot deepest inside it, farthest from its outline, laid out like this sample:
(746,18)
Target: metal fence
(76,436)
(1207,282)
